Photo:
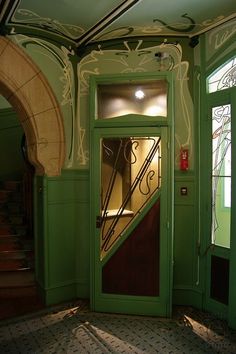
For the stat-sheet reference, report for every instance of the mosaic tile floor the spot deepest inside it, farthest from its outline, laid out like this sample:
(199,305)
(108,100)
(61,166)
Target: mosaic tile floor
(73,328)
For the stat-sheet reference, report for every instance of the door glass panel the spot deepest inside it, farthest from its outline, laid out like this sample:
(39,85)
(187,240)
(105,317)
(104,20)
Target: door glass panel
(130,175)
(221,175)
(145,98)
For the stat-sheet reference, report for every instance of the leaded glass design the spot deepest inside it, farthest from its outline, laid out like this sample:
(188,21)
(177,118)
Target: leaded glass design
(224,77)
(221,175)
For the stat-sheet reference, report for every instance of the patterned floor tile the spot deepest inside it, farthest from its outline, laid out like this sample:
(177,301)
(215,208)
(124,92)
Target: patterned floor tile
(76,330)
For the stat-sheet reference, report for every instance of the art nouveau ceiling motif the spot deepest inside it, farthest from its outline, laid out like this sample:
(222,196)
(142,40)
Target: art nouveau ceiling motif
(86,21)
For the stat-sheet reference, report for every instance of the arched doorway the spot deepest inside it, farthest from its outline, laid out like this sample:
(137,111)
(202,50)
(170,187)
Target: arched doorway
(22,83)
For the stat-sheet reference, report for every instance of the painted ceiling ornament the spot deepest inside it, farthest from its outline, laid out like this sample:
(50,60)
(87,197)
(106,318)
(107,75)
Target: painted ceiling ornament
(151,30)
(219,36)
(32,19)
(178,27)
(128,31)
(115,33)
(211,21)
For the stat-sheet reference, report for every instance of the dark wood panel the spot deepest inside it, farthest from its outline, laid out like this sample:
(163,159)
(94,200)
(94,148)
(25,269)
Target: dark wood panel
(220,279)
(134,268)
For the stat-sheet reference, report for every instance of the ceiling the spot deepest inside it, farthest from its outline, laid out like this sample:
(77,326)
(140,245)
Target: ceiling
(83,22)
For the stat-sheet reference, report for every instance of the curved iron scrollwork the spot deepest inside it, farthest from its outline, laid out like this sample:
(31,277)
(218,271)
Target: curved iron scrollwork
(149,178)
(129,151)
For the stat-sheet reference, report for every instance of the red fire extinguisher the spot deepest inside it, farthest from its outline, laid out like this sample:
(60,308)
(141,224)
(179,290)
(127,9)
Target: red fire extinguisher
(183,159)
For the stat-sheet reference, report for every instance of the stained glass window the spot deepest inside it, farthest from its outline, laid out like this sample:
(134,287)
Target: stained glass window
(224,77)
(221,175)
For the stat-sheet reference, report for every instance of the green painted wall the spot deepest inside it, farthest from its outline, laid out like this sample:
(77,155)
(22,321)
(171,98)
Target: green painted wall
(187,289)
(11,132)
(4,103)
(61,243)
(62,203)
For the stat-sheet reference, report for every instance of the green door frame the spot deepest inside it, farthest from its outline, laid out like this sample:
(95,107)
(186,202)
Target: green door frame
(125,126)
(228,312)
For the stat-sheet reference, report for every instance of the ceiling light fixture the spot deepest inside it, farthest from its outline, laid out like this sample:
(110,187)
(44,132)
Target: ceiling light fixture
(164,61)
(139,94)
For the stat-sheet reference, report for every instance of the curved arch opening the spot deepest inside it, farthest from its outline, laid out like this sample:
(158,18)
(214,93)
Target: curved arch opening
(22,83)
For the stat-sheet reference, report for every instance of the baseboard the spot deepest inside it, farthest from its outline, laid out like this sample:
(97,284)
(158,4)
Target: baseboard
(59,294)
(188,297)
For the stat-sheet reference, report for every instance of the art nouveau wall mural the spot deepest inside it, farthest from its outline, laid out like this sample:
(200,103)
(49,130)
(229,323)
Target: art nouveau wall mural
(57,63)
(133,59)
(219,42)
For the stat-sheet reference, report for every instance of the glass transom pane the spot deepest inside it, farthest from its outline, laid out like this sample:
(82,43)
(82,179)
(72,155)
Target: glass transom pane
(143,98)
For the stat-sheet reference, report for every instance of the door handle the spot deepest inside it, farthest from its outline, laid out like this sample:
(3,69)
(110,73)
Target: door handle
(98,222)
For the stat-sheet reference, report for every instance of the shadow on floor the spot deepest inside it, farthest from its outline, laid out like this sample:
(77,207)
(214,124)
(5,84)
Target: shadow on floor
(73,328)
(19,301)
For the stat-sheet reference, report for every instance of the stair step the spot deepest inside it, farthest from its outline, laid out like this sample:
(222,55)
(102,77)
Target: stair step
(7,218)
(12,185)
(15,254)
(8,265)
(16,246)
(17,219)
(16,259)
(3,208)
(3,217)
(17,238)
(10,196)
(4,195)
(13,207)
(20,230)
(16,279)
(6,230)
(9,227)
(10,245)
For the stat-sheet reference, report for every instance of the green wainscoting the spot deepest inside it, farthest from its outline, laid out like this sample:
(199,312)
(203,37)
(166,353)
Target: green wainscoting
(62,236)
(186,275)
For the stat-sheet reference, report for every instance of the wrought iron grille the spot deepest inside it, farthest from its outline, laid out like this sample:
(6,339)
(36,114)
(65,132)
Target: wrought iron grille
(131,174)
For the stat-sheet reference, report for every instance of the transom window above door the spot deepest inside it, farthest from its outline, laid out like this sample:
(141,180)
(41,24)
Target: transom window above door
(140,98)
(224,77)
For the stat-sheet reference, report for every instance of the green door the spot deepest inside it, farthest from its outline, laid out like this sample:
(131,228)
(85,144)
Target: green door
(131,221)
